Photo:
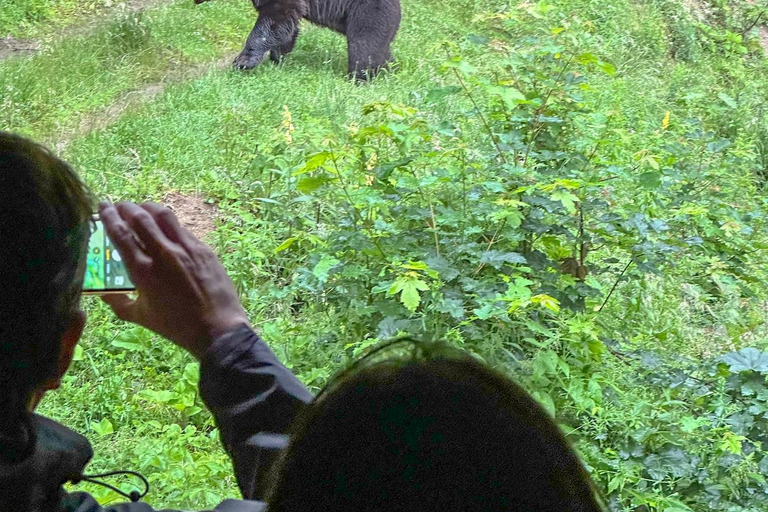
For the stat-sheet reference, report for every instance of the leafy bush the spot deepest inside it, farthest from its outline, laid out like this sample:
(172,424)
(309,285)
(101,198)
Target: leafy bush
(511,230)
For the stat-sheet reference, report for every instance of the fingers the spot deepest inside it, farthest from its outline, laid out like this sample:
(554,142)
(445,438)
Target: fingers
(122,236)
(145,227)
(122,305)
(170,225)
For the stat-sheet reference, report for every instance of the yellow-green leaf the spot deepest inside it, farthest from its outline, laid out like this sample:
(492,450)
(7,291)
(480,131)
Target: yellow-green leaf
(283,246)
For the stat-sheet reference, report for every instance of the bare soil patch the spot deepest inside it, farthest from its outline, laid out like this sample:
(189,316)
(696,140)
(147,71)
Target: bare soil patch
(698,9)
(763,34)
(193,212)
(10,47)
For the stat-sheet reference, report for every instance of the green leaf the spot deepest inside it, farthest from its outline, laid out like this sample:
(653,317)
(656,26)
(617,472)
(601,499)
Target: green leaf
(408,286)
(478,39)
(453,307)
(719,145)
(545,362)
(130,340)
(728,100)
(310,184)
(567,199)
(266,200)
(484,312)
(509,95)
(191,373)
(324,266)
(650,180)
(78,355)
(463,66)
(545,400)
(285,245)
(442,92)
(497,258)
(690,424)
(607,68)
(162,397)
(548,302)
(103,428)
(748,359)
(191,411)
(313,162)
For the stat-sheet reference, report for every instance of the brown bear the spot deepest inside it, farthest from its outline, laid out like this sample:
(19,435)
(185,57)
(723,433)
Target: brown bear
(370,27)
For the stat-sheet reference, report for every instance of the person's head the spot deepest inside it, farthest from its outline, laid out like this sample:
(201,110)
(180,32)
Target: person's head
(45,215)
(431,430)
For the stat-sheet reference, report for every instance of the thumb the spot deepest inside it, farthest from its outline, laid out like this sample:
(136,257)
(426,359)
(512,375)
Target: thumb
(121,304)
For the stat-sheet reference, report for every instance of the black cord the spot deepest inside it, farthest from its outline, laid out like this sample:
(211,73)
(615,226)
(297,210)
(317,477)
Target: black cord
(134,496)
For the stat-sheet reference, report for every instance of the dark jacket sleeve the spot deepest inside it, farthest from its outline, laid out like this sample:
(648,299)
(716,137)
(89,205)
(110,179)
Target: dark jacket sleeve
(84,502)
(254,399)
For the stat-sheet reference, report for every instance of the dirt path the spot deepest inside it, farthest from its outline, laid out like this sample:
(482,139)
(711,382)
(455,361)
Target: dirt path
(12,47)
(193,212)
(134,99)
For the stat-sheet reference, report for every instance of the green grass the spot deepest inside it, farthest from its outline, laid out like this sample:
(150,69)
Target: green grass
(45,96)
(24,17)
(214,123)
(221,133)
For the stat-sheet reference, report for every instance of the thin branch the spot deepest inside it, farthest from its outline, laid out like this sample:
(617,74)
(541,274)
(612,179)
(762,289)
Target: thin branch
(618,280)
(479,112)
(356,215)
(543,107)
(493,240)
(434,229)
(757,20)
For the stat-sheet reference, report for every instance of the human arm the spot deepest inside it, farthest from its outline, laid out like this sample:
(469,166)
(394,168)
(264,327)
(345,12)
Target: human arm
(254,399)
(185,295)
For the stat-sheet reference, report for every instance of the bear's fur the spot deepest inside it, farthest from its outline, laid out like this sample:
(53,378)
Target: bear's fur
(370,27)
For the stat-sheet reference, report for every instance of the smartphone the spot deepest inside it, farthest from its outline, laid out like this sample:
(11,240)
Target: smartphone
(105,270)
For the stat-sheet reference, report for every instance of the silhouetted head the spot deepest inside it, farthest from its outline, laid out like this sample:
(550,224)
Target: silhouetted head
(44,230)
(428,429)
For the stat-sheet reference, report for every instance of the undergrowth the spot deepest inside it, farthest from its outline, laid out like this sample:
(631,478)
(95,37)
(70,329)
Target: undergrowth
(571,190)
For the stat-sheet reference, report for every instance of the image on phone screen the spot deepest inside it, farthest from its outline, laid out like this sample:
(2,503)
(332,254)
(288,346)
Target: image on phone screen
(105,270)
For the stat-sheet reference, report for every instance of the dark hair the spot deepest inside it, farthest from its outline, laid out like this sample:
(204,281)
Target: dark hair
(429,430)
(44,229)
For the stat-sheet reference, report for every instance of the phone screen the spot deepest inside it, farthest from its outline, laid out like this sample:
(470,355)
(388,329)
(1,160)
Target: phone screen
(105,270)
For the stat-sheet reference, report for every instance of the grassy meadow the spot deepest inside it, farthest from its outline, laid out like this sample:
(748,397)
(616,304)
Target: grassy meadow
(572,190)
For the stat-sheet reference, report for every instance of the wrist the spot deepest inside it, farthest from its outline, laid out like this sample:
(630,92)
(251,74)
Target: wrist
(223,343)
(219,329)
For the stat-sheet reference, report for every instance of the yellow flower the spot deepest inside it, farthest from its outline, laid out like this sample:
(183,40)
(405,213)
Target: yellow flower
(288,124)
(665,121)
(371,163)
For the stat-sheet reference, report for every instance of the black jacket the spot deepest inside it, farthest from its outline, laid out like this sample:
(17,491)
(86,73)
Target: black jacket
(252,396)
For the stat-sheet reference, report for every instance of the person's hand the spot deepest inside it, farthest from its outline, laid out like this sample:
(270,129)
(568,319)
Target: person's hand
(184,293)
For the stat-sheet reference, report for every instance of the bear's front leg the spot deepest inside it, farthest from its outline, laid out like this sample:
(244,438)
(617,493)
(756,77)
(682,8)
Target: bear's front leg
(259,42)
(275,31)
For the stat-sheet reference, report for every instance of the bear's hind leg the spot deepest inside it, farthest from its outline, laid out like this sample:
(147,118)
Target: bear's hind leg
(371,28)
(367,56)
